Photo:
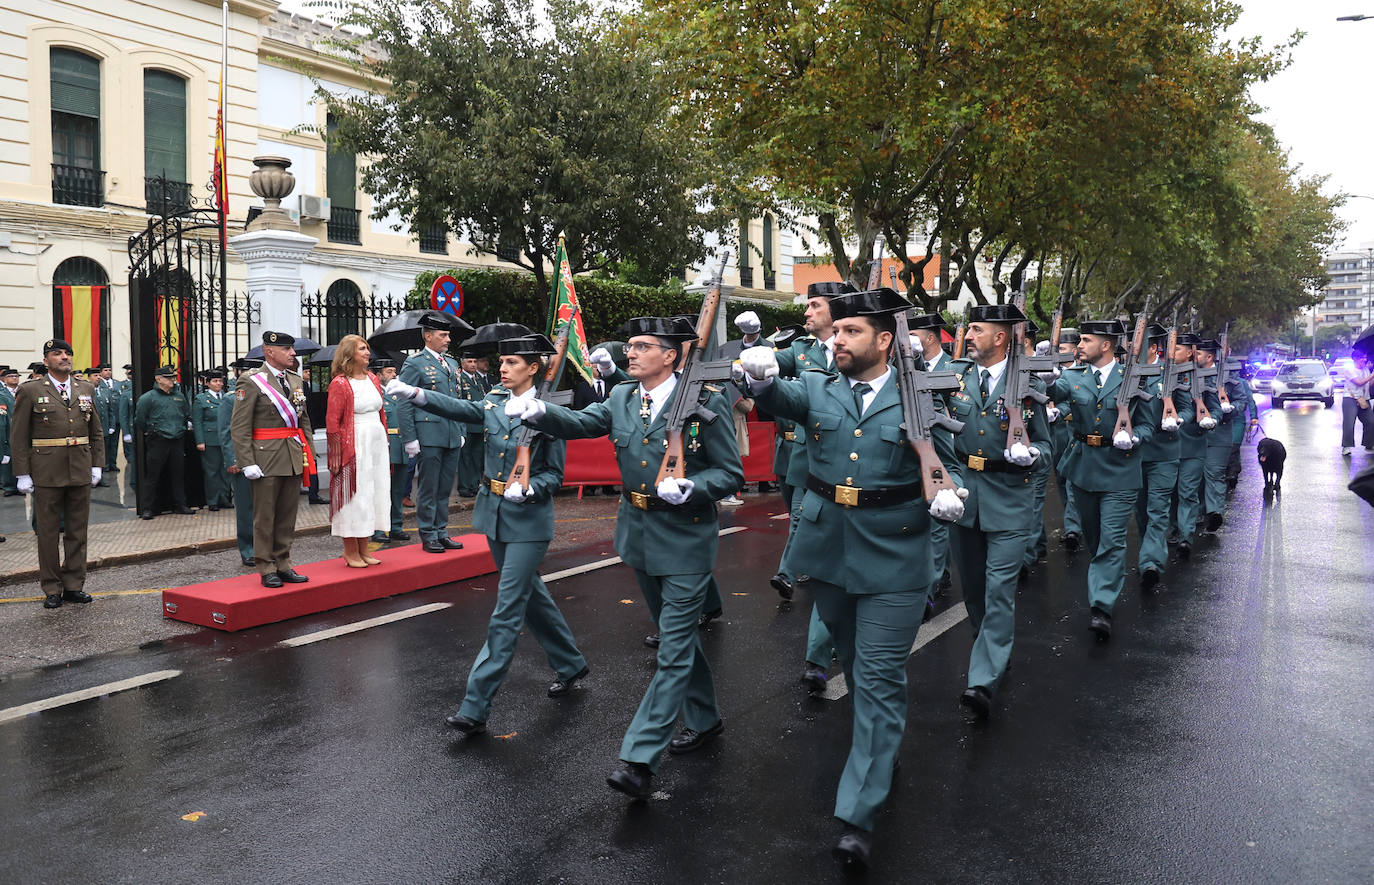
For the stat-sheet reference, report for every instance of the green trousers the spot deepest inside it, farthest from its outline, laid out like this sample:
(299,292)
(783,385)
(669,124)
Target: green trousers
(1152,507)
(433,485)
(470,461)
(1071,521)
(216,480)
(989,564)
(819,646)
(873,636)
(398,494)
(243,514)
(1214,472)
(1105,516)
(1037,543)
(682,684)
(1187,498)
(939,551)
(522,601)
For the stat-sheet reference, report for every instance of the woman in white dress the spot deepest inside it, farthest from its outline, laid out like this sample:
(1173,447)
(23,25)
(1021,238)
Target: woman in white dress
(359,466)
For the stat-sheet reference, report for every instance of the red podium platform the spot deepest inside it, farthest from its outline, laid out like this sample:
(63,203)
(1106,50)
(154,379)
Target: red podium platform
(242,602)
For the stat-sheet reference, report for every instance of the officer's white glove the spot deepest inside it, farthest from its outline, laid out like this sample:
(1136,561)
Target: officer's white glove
(1125,441)
(398,388)
(4,459)
(25,484)
(1049,377)
(516,492)
(412,448)
(1052,413)
(1227,408)
(1169,424)
(95,475)
(675,491)
(601,359)
(948,506)
(252,471)
(748,323)
(109,432)
(761,365)
(1021,454)
(529,410)
(1207,423)
(128,437)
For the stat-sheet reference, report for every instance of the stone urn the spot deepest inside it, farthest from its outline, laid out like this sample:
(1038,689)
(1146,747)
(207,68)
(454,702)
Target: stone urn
(273,183)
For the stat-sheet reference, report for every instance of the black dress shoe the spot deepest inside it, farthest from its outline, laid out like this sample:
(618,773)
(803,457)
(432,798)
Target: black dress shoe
(102,484)
(708,617)
(651,641)
(213,508)
(814,677)
(1213,521)
(930,610)
(561,687)
(689,741)
(183,511)
(147,514)
(398,536)
(378,538)
(291,576)
(1072,541)
(978,699)
(1024,575)
(1101,624)
(271,579)
(466,725)
(854,849)
(316,499)
(449,544)
(433,546)
(76,596)
(247,561)
(782,584)
(1185,549)
(634,780)
(52,600)
(1149,579)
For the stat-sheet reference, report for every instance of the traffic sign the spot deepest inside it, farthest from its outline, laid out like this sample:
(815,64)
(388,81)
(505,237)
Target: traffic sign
(446,296)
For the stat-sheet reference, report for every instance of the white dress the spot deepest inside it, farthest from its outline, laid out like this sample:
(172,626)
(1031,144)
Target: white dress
(369,510)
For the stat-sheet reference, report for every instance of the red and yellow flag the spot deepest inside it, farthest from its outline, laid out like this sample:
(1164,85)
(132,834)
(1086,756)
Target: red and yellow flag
(561,307)
(221,169)
(81,321)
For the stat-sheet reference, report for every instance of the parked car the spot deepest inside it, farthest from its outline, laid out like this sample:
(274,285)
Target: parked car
(1263,380)
(1302,379)
(1337,379)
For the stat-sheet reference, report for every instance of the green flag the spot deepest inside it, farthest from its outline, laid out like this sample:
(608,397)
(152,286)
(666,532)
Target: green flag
(562,306)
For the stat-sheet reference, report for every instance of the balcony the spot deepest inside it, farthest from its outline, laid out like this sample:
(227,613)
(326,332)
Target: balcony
(162,196)
(746,277)
(343,226)
(770,280)
(77,186)
(434,239)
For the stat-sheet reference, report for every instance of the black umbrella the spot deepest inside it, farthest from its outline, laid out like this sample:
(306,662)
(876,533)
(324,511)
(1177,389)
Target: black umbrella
(489,335)
(1365,343)
(1363,485)
(402,332)
(304,347)
(324,354)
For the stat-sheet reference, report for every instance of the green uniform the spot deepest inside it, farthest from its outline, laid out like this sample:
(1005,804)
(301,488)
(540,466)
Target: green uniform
(107,404)
(473,388)
(243,489)
(989,542)
(671,549)
(519,534)
(870,568)
(441,441)
(205,424)
(162,418)
(124,399)
(6,454)
(1230,426)
(1192,455)
(400,424)
(1159,465)
(1103,480)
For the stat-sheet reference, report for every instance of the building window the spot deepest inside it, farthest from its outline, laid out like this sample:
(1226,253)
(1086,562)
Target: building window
(770,278)
(81,310)
(434,239)
(746,273)
(341,181)
(164,143)
(507,249)
(77,179)
(342,310)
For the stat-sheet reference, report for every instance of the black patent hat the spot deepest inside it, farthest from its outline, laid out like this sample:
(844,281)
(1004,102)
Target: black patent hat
(435,321)
(785,335)
(1156,332)
(1103,328)
(1189,339)
(1210,344)
(669,328)
(533,344)
(871,302)
(932,321)
(829,289)
(995,313)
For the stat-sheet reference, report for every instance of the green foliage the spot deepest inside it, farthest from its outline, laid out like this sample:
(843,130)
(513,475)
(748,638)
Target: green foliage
(1337,338)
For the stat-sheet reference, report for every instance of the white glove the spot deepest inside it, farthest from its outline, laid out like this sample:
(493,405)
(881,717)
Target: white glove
(1021,455)
(948,506)
(675,491)
(748,323)
(95,475)
(1169,424)
(737,372)
(529,410)
(412,448)
(252,471)
(1049,377)
(1227,408)
(601,359)
(516,492)
(1207,423)
(398,388)
(128,437)
(759,363)
(1052,414)
(109,432)
(25,484)
(4,459)
(1124,441)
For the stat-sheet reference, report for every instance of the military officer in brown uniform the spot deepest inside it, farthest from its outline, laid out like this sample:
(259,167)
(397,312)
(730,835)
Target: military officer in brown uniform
(58,455)
(272,446)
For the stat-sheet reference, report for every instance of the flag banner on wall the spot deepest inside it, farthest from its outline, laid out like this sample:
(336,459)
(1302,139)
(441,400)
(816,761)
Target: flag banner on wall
(81,322)
(173,314)
(561,307)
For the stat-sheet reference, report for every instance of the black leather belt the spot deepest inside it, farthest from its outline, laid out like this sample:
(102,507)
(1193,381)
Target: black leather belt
(1092,439)
(987,465)
(853,496)
(641,501)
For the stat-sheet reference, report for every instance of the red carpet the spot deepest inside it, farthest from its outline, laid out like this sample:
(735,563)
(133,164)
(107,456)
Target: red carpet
(242,602)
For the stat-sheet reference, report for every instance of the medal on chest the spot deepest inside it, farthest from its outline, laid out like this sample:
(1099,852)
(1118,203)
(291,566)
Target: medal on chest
(693,432)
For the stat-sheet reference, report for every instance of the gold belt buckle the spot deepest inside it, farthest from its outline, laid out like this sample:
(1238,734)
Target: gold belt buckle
(847,495)
(71,440)
(498,487)
(1095,439)
(976,462)
(639,500)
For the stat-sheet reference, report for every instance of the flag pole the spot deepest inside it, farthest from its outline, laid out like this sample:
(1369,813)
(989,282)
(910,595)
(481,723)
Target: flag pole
(222,186)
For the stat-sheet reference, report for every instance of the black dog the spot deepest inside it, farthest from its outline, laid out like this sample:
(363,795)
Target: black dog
(1272,454)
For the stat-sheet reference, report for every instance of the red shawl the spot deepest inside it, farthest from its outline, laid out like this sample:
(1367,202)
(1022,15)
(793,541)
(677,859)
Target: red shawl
(342,448)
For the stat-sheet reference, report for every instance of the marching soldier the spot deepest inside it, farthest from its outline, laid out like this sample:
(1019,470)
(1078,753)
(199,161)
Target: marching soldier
(925,329)
(1061,432)
(1159,460)
(9,387)
(395,416)
(58,455)
(272,439)
(163,417)
(1219,442)
(205,424)
(472,386)
(437,440)
(990,540)
(863,536)
(667,533)
(1192,451)
(1103,470)
(242,496)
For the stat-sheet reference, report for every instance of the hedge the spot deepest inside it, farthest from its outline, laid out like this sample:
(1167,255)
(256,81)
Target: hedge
(510,296)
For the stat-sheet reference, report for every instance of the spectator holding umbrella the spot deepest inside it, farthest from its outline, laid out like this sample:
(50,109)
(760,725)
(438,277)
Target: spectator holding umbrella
(359,464)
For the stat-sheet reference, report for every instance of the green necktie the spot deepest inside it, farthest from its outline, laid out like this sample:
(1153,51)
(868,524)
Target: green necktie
(860,391)
(983,383)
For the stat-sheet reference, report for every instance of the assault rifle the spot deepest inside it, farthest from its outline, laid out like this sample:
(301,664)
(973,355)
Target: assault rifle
(917,390)
(694,372)
(1168,376)
(1019,390)
(524,437)
(1133,375)
(1223,364)
(1057,329)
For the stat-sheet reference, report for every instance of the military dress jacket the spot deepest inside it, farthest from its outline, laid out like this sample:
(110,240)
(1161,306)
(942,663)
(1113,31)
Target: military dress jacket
(163,414)
(1103,467)
(862,549)
(256,410)
(678,540)
(107,405)
(1192,438)
(205,418)
(400,425)
(224,417)
(473,388)
(1001,497)
(439,374)
(1166,445)
(6,410)
(40,414)
(803,355)
(1230,428)
(493,515)
(1244,400)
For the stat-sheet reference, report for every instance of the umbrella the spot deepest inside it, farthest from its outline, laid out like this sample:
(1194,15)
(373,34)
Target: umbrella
(487,336)
(324,354)
(1365,343)
(1363,485)
(304,347)
(402,332)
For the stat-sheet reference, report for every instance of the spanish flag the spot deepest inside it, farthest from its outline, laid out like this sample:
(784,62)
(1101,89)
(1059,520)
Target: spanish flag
(82,321)
(221,170)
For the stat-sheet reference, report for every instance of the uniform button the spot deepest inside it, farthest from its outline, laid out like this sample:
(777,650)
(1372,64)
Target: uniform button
(643,463)
(853,456)
(980,433)
(501,455)
(980,451)
(507,436)
(499,475)
(849,480)
(985,414)
(641,487)
(644,442)
(858,432)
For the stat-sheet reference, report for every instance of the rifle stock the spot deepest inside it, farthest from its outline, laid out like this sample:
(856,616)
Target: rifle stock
(1166,362)
(916,390)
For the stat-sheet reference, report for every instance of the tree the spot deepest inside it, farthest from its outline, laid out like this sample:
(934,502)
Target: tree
(510,130)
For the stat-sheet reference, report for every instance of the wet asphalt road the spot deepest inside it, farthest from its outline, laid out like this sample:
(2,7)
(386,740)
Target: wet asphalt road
(1222,736)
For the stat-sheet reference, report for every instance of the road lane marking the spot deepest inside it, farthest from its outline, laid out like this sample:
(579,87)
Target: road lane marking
(344,630)
(96,595)
(580,569)
(930,631)
(86,694)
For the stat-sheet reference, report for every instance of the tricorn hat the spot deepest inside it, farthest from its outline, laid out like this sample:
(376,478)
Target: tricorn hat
(669,328)
(931,321)
(1189,339)
(995,313)
(8,371)
(37,367)
(278,339)
(1155,331)
(433,319)
(380,363)
(871,302)
(1103,328)
(785,335)
(212,374)
(829,289)
(165,372)
(1209,344)
(533,344)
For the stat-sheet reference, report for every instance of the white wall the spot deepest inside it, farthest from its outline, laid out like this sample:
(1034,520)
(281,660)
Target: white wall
(284,98)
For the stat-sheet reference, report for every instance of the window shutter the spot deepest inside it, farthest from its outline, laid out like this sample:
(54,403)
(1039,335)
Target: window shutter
(341,172)
(164,125)
(75,83)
